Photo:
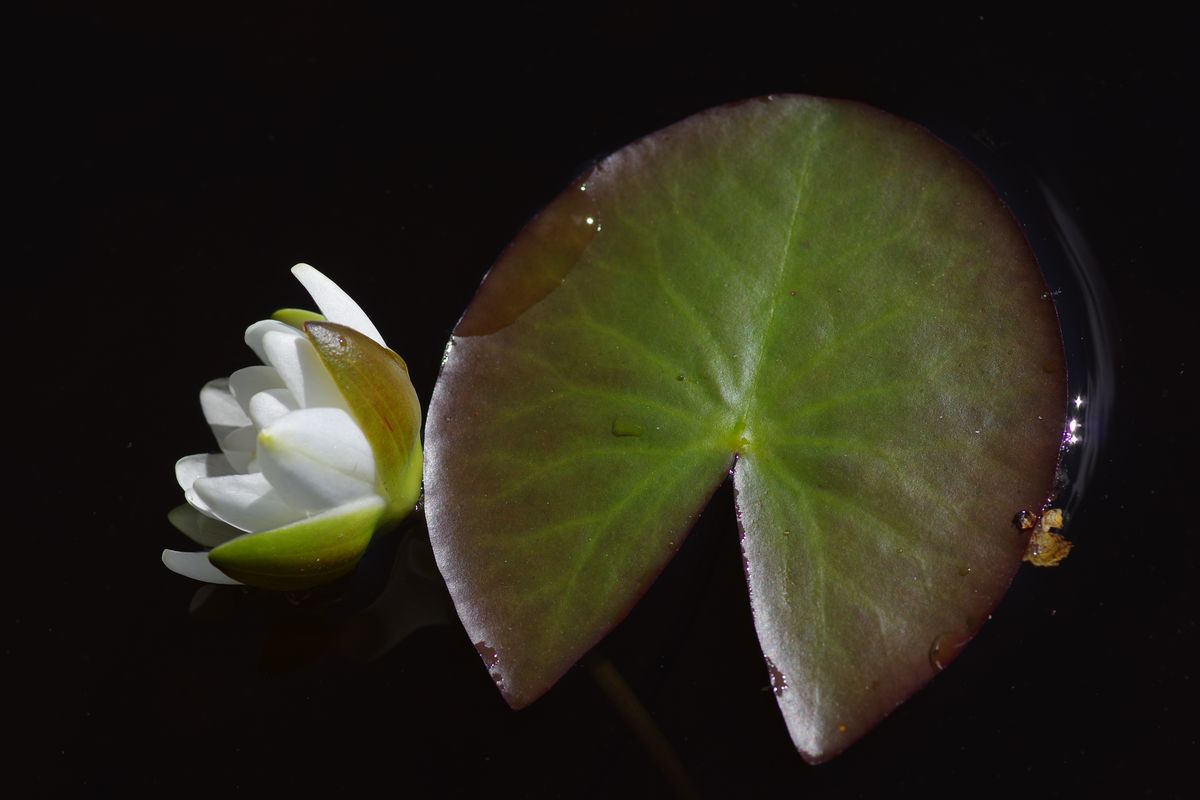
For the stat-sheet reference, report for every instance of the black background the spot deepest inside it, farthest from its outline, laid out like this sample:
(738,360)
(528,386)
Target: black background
(171,165)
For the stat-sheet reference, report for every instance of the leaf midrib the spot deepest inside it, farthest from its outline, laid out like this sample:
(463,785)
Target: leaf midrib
(745,428)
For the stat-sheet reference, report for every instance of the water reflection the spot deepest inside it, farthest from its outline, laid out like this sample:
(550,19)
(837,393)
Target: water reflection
(1085,312)
(1072,435)
(395,591)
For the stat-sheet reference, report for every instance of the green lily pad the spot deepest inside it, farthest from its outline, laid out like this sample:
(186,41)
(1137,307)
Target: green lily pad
(818,295)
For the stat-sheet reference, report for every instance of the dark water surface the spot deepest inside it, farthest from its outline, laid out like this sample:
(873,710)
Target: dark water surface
(173,166)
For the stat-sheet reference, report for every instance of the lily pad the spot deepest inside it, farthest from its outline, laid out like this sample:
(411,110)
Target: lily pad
(815,294)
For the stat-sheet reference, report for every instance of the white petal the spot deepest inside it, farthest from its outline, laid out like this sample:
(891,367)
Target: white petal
(203,465)
(317,458)
(245,383)
(336,305)
(246,502)
(221,410)
(239,447)
(196,566)
(301,369)
(195,502)
(201,528)
(267,407)
(256,332)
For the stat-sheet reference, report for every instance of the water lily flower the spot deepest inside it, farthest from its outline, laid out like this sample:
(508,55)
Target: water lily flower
(320,448)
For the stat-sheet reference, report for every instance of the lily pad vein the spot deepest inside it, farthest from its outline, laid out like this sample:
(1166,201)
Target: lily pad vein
(813,146)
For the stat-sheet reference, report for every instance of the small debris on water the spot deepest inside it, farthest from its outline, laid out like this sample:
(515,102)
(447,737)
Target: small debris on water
(1024,520)
(1047,547)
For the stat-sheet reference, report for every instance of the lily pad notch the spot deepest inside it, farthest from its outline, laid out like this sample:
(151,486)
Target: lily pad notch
(820,294)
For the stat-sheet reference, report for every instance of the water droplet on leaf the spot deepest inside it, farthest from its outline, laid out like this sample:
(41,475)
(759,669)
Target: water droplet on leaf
(944,648)
(625,427)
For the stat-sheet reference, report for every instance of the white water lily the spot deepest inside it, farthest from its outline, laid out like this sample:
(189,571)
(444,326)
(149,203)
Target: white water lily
(320,447)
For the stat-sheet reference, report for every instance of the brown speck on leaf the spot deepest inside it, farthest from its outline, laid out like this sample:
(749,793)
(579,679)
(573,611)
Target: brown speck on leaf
(1047,547)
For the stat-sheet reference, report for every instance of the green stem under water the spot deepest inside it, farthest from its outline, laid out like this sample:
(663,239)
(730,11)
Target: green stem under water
(643,726)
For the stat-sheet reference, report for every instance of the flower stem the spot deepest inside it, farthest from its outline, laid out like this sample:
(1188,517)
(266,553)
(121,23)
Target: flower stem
(643,727)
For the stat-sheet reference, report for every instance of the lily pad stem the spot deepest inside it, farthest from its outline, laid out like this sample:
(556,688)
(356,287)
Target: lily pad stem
(643,727)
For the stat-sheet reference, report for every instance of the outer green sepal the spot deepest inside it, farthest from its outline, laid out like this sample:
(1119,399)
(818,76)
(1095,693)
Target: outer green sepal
(374,381)
(296,317)
(308,553)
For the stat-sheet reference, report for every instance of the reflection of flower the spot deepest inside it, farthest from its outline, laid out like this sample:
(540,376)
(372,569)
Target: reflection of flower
(320,447)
